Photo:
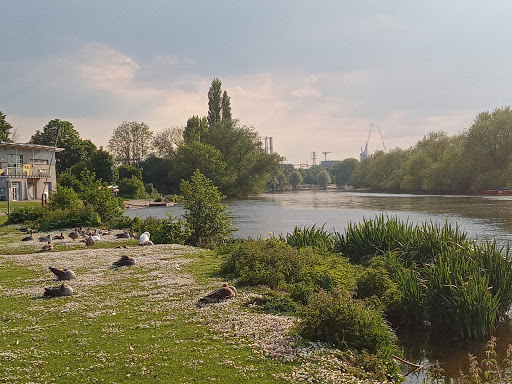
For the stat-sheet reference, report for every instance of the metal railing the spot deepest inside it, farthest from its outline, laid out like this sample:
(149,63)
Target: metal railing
(23,173)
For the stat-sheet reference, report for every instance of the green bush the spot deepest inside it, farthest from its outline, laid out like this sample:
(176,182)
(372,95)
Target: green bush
(337,318)
(69,218)
(317,238)
(64,198)
(164,231)
(275,303)
(206,215)
(132,188)
(22,214)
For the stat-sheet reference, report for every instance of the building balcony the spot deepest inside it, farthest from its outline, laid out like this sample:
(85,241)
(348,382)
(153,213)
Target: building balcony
(24,173)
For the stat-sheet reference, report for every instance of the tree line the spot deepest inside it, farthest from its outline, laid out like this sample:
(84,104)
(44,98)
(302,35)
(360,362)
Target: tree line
(144,163)
(470,162)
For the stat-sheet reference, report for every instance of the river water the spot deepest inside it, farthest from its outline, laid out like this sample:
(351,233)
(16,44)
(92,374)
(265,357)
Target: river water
(481,217)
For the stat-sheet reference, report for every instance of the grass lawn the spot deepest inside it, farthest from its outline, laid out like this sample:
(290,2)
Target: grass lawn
(142,324)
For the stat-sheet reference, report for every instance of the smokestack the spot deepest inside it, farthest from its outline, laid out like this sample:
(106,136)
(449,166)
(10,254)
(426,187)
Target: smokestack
(271,145)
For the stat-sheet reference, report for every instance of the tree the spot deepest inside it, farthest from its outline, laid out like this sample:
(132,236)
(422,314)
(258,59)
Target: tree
(248,167)
(127,171)
(323,178)
(131,142)
(132,188)
(198,156)
(295,179)
(5,129)
(103,165)
(64,135)
(166,142)
(206,215)
(157,172)
(215,102)
(196,129)
(226,106)
(343,171)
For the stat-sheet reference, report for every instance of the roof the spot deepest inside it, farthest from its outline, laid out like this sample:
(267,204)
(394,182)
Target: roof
(33,147)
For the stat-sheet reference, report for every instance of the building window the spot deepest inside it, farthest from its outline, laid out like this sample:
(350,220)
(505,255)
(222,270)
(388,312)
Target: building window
(14,161)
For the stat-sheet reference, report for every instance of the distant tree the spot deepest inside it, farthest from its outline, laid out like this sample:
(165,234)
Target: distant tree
(157,172)
(206,215)
(248,167)
(323,179)
(215,102)
(343,170)
(166,142)
(5,129)
(64,135)
(103,165)
(226,106)
(196,129)
(127,171)
(131,142)
(197,156)
(295,179)
(132,188)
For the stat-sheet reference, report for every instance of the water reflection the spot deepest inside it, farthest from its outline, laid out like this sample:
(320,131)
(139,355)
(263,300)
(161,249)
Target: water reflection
(482,218)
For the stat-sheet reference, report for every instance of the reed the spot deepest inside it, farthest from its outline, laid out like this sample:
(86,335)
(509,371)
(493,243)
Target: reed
(315,237)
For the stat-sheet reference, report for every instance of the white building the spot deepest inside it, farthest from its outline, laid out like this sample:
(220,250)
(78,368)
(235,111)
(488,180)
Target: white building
(27,171)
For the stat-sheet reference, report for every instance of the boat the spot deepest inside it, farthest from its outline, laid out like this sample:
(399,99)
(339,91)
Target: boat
(498,192)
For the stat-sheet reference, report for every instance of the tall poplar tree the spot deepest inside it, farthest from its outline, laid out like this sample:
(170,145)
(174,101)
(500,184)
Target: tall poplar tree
(215,102)
(226,106)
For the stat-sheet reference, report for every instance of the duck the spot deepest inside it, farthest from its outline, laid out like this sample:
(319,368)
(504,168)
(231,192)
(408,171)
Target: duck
(225,293)
(144,238)
(63,274)
(47,247)
(74,234)
(59,237)
(124,261)
(29,237)
(61,290)
(90,241)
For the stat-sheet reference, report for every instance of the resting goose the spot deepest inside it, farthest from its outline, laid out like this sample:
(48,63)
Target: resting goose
(144,238)
(47,247)
(29,237)
(221,294)
(62,290)
(124,261)
(63,274)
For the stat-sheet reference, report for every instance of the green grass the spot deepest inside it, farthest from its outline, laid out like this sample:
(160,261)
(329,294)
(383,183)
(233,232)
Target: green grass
(132,325)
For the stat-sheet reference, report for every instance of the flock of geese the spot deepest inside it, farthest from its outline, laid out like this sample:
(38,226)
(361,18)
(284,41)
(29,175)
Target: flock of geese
(224,293)
(89,237)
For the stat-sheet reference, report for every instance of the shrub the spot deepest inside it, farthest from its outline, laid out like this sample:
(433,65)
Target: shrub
(337,318)
(132,188)
(275,303)
(64,198)
(317,238)
(22,214)
(69,218)
(165,231)
(206,216)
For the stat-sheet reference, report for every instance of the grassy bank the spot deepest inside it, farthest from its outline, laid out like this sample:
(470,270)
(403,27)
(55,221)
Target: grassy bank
(142,324)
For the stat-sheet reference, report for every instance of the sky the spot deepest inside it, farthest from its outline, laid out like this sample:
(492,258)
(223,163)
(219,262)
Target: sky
(313,75)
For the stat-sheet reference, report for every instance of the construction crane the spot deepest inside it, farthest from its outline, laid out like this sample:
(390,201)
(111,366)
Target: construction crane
(364,153)
(325,154)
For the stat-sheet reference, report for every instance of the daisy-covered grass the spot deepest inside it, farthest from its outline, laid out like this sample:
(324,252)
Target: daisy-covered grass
(142,324)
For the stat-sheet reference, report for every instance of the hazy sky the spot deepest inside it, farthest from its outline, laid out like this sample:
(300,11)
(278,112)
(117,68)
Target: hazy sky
(314,75)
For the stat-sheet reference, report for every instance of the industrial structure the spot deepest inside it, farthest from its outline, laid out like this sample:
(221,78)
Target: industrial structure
(364,153)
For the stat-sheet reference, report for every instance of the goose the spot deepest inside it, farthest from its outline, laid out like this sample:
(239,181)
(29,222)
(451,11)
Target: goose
(59,237)
(29,237)
(63,274)
(144,238)
(74,234)
(90,241)
(123,235)
(47,247)
(221,294)
(124,261)
(132,233)
(61,290)
(46,238)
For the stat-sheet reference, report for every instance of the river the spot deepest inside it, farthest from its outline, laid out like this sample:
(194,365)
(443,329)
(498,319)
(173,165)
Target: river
(481,217)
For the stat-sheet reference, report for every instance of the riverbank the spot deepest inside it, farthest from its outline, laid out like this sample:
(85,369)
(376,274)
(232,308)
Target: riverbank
(101,333)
